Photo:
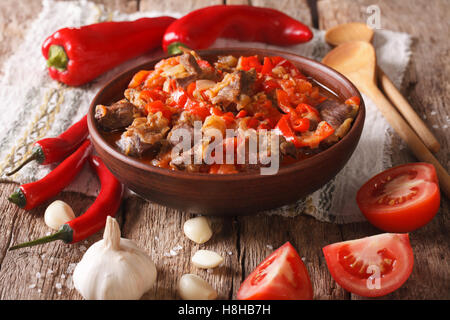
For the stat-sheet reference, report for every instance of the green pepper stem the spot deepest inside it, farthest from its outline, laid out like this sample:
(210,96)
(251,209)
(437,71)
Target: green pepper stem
(65,233)
(57,57)
(37,155)
(18,197)
(174,48)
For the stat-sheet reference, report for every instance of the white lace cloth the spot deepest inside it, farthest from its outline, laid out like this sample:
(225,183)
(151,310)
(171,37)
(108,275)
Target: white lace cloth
(35,106)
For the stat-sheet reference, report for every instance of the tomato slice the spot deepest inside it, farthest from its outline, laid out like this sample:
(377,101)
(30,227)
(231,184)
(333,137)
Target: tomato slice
(372,266)
(281,276)
(401,199)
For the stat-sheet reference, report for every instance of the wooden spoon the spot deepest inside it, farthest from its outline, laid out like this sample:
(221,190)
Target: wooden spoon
(356,31)
(357,61)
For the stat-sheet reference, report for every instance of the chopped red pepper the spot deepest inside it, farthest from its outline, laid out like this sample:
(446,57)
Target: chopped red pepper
(252,62)
(323,131)
(267,66)
(158,106)
(241,114)
(300,124)
(283,101)
(270,85)
(78,55)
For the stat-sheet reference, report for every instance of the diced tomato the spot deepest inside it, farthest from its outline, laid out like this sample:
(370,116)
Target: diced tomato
(283,101)
(281,276)
(401,199)
(252,62)
(270,85)
(156,106)
(372,266)
(138,78)
(267,66)
(276,60)
(353,101)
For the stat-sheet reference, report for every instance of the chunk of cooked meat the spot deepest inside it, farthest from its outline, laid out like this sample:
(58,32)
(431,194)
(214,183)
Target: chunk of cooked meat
(226,63)
(143,134)
(190,64)
(334,112)
(117,116)
(233,86)
(174,138)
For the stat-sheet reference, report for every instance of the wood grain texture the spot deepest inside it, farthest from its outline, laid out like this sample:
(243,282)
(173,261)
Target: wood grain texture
(181,7)
(243,241)
(426,87)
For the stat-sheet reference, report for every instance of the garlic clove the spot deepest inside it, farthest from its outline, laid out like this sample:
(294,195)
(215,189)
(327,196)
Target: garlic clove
(198,229)
(206,259)
(57,214)
(192,287)
(114,268)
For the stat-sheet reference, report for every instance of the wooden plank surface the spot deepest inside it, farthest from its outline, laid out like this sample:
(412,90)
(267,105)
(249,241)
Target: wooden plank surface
(44,272)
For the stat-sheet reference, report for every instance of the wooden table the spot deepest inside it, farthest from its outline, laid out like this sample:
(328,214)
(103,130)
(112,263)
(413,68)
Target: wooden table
(44,272)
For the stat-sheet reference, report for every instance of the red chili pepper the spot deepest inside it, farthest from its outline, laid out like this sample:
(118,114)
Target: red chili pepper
(51,150)
(284,126)
(30,195)
(78,55)
(94,219)
(200,28)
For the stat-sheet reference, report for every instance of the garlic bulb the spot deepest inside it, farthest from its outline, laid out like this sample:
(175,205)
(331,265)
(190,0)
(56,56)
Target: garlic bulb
(57,214)
(114,268)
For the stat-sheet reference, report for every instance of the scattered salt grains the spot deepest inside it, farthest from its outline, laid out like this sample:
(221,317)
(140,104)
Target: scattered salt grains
(58,285)
(210,270)
(166,254)
(50,271)
(156,238)
(435,126)
(270,247)
(230,253)
(303,259)
(39,290)
(445,126)
(71,268)
(174,251)
(32,286)
(433,113)
(59,293)
(48,233)
(63,276)
(82,248)
(38,275)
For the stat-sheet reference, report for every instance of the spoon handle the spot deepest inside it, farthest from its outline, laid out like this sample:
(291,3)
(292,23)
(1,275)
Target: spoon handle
(408,135)
(408,112)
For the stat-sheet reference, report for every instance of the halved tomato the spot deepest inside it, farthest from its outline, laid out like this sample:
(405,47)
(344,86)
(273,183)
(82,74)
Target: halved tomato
(401,199)
(281,276)
(372,266)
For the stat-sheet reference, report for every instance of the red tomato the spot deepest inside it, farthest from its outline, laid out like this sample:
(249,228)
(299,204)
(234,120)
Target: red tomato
(372,266)
(401,199)
(281,276)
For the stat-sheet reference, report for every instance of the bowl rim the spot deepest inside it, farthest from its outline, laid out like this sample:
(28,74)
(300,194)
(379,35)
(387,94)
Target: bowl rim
(283,170)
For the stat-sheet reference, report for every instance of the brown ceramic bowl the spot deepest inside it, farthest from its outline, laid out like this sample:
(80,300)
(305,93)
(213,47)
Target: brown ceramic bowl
(242,193)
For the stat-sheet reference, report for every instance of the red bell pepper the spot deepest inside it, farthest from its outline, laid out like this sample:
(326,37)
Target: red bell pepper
(200,28)
(78,55)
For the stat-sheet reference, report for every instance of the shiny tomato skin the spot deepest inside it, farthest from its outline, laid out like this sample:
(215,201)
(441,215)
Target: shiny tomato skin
(419,203)
(281,276)
(399,249)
